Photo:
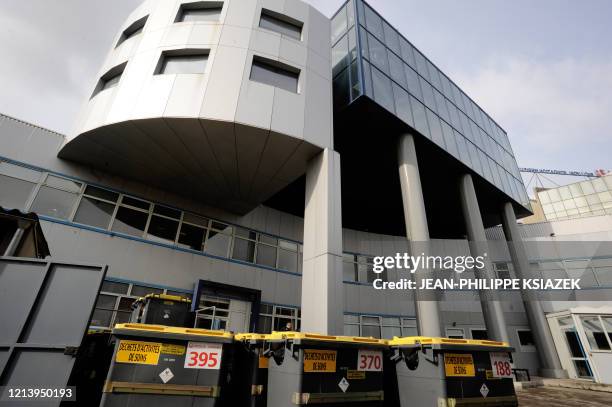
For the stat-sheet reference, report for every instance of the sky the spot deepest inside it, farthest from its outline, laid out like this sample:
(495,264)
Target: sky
(542,69)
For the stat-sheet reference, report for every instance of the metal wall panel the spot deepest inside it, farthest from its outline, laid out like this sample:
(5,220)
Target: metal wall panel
(45,308)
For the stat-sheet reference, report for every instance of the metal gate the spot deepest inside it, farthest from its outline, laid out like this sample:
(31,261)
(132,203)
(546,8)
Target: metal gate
(45,308)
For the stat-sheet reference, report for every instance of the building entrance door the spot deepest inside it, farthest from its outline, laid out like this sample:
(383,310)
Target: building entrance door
(223,313)
(576,349)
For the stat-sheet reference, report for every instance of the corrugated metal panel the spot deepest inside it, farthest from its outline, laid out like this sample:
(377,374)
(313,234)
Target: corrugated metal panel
(542,229)
(495,233)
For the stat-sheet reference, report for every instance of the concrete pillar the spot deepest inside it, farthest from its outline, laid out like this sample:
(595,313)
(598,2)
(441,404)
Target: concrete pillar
(417,232)
(322,288)
(547,354)
(492,310)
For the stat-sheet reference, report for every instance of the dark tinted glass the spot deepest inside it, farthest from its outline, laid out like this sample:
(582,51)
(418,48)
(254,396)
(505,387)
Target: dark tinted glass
(192,236)
(169,212)
(281,26)
(138,203)
(130,221)
(243,250)
(163,228)
(275,76)
(95,213)
(101,193)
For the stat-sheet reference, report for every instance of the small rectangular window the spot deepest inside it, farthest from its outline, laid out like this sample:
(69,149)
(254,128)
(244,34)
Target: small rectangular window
(266,255)
(124,311)
(525,338)
(94,212)
(110,79)
(104,310)
(281,24)
(244,250)
(199,11)
(501,269)
(19,172)
(480,334)
(594,332)
(101,193)
(114,287)
(162,229)
(351,330)
(134,29)
(110,82)
(130,221)
(17,184)
(287,260)
(217,243)
(370,330)
(56,198)
(191,236)
(183,62)
(135,202)
(96,207)
(275,74)
(455,333)
(166,211)
(349,268)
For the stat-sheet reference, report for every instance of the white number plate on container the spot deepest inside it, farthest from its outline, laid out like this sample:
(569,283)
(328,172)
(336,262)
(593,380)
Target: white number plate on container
(501,365)
(202,355)
(369,360)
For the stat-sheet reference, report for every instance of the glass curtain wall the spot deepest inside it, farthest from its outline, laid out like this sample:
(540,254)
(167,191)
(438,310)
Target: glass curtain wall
(587,198)
(371,58)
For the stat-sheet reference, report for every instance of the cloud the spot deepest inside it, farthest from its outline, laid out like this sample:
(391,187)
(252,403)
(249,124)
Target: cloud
(52,54)
(557,113)
(35,78)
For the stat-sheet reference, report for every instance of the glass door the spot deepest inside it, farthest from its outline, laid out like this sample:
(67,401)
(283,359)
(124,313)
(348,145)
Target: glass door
(223,313)
(576,349)
(213,313)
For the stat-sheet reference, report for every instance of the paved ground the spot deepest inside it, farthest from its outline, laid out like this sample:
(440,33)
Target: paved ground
(561,397)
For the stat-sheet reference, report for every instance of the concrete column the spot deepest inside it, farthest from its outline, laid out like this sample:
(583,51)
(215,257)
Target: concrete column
(492,310)
(322,288)
(547,354)
(417,232)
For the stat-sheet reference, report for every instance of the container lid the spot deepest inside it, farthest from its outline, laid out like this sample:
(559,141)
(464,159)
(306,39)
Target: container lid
(167,297)
(426,340)
(162,329)
(250,337)
(96,331)
(312,337)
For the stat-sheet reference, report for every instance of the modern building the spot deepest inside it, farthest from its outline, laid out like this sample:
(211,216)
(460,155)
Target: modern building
(592,197)
(260,155)
(580,324)
(536,208)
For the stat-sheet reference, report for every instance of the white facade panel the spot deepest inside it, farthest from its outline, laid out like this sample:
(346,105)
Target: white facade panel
(187,95)
(223,93)
(223,90)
